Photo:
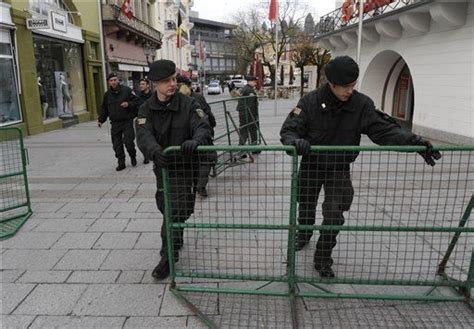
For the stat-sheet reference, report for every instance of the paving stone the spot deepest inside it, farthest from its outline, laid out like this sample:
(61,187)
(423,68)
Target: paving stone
(130,277)
(44,276)
(148,241)
(147,207)
(131,260)
(13,294)
(87,206)
(16,321)
(51,299)
(137,215)
(144,225)
(171,306)
(116,241)
(155,322)
(47,215)
(47,207)
(78,322)
(32,240)
(64,225)
(120,300)
(21,259)
(123,206)
(93,277)
(72,240)
(82,260)
(10,276)
(195,323)
(109,225)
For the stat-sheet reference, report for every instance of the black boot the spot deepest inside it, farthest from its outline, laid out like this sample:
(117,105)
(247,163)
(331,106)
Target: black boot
(202,192)
(325,271)
(146,161)
(302,239)
(134,161)
(121,165)
(162,270)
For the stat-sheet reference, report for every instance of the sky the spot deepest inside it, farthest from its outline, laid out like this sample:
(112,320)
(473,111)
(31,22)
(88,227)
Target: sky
(222,10)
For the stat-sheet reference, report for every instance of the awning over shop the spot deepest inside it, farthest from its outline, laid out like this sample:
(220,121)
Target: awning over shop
(133,68)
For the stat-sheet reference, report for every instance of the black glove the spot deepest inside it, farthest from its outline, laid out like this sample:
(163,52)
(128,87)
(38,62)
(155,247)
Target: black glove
(429,154)
(161,159)
(303,147)
(189,147)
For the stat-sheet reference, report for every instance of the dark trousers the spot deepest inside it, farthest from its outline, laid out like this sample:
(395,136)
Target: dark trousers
(123,133)
(338,196)
(182,199)
(206,161)
(248,127)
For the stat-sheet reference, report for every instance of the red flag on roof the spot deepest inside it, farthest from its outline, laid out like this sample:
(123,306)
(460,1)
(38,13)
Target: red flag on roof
(127,9)
(273,12)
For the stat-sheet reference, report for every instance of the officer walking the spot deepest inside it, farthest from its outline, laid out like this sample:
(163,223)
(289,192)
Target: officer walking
(336,114)
(170,118)
(120,105)
(143,95)
(208,159)
(248,113)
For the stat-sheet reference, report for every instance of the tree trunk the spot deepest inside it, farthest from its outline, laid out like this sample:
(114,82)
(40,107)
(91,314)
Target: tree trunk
(302,81)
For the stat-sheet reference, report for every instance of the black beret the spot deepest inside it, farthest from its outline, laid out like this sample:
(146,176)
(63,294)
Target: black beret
(182,79)
(111,75)
(161,69)
(342,70)
(251,78)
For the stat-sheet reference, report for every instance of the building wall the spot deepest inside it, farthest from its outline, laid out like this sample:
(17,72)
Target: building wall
(441,64)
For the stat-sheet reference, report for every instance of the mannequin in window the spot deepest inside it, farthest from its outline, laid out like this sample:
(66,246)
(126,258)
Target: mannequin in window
(67,108)
(44,104)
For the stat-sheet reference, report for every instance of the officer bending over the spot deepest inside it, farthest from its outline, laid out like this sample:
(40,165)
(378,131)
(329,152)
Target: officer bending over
(336,114)
(170,118)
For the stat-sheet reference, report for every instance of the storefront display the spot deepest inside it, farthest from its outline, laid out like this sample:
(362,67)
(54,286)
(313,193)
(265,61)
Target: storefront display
(60,77)
(9,105)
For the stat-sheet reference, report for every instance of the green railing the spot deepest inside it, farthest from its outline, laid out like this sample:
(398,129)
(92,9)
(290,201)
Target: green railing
(407,226)
(236,125)
(15,206)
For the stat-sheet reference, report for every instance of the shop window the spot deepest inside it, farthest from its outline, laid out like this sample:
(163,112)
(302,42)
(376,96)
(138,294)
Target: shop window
(403,97)
(60,77)
(9,105)
(43,7)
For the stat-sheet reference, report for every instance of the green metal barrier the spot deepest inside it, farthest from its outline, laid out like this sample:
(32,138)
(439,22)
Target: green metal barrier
(231,128)
(15,206)
(406,236)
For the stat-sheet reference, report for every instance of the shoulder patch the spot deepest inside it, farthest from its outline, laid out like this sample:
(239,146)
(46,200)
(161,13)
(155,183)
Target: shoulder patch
(141,121)
(201,113)
(296,111)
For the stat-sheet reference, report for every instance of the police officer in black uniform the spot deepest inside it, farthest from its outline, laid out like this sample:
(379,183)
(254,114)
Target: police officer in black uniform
(170,118)
(248,113)
(120,105)
(143,95)
(336,114)
(208,159)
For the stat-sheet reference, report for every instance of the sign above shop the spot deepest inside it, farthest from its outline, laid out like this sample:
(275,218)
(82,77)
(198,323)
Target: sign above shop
(37,23)
(59,22)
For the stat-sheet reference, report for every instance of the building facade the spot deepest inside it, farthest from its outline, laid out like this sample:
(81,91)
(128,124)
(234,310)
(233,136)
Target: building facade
(52,59)
(131,39)
(416,62)
(217,50)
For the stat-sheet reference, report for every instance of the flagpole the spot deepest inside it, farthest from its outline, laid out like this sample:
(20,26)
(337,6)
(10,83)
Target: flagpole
(275,106)
(359,39)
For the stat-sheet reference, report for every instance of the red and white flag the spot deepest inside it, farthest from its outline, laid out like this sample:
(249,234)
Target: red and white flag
(273,10)
(127,9)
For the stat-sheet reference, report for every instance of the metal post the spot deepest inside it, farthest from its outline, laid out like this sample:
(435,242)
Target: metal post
(276,66)
(359,39)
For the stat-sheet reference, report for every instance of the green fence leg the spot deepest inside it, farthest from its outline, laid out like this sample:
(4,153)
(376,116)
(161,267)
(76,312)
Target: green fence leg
(470,282)
(452,244)
(292,239)
(169,225)
(25,176)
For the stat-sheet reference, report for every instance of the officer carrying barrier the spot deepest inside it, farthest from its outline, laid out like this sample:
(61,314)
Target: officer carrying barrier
(15,206)
(236,124)
(405,233)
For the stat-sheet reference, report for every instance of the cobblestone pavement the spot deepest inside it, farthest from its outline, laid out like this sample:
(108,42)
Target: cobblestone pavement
(84,258)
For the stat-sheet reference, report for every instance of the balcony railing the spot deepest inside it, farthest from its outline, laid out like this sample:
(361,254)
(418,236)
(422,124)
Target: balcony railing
(349,15)
(114,14)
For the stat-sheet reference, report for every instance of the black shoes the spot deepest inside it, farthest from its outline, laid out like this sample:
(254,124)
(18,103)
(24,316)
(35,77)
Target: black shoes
(162,270)
(121,165)
(302,239)
(202,192)
(325,271)
(134,161)
(146,161)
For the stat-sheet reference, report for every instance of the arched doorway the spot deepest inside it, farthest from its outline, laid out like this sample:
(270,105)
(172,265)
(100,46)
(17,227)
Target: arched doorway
(387,80)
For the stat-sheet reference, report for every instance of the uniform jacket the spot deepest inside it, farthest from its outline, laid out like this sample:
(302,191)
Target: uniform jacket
(111,105)
(251,102)
(322,119)
(160,125)
(142,98)
(201,100)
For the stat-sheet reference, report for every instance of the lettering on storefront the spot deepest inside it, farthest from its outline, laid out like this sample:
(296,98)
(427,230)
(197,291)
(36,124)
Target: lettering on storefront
(37,23)
(59,22)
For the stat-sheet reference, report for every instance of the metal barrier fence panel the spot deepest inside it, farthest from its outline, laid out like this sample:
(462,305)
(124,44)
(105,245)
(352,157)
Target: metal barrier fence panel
(235,125)
(15,206)
(406,233)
